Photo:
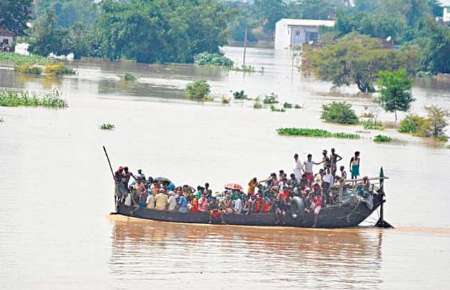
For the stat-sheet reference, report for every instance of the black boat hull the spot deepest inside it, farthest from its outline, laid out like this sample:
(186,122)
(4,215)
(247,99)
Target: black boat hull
(350,215)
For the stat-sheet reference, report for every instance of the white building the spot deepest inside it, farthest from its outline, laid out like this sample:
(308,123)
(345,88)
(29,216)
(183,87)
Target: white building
(445,4)
(294,32)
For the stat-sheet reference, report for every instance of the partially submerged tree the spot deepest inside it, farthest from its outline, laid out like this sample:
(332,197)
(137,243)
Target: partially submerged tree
(437,121)
(355,59)
(395,91)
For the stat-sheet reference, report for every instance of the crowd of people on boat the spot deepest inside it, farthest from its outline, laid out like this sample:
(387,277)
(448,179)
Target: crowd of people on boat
(310,190)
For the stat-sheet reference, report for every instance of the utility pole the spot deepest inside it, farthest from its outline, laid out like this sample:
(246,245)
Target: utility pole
(245,45)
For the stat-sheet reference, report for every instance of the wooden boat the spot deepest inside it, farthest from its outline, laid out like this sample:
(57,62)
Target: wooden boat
(342,216)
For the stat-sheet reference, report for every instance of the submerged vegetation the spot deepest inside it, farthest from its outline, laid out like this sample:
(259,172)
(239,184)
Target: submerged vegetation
(340,113)
(273,108)
(304,132)
(28,69)
(257,104)
(240,95)
(244,68)
(27,99)
(129,77)
(57,69)
(217,59)
(107,126)
(271,99)
(382,139)
(372,124)
(433,125)
(198,90)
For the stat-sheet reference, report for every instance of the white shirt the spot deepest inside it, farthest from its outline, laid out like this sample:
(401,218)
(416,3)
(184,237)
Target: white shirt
(328,178)
(172,202)
(308,166)
(238,205)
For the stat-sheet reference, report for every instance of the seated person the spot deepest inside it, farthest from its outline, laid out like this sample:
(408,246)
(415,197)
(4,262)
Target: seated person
(161,200)
(182,204)
(172,202)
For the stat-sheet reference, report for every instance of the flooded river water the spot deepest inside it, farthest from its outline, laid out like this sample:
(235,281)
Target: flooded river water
(56,188)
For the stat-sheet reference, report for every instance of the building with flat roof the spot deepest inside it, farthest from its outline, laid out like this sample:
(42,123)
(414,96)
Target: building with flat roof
(290,33)
(445,4)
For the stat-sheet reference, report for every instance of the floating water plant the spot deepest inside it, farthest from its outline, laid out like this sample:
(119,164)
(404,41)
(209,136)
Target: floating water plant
(107,126)
(372,124)
(129,77)
(305,132)
(382,139)
(275,109)
(27,99)
(270,99)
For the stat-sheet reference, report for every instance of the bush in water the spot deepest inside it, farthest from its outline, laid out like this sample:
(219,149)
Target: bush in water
(198,90)
(382,139)
(107,126)
(339,112)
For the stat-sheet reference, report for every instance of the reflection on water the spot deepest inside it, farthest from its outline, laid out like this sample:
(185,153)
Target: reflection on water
(164,254)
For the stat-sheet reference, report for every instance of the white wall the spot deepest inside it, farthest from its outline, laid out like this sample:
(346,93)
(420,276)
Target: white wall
(446,16)
(282,36)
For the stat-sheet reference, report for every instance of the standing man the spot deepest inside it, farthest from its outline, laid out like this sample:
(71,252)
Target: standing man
(354,165)
(308,166)
(298,168)
(334,159)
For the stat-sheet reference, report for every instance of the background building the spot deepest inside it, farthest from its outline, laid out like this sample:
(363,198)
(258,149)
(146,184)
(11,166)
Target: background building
(294,32)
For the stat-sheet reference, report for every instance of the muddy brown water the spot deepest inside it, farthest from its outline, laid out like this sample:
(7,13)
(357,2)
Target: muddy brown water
(56,190)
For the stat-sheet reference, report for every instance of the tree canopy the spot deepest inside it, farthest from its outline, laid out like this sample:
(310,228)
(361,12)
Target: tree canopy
(355,59)
(395,91)
(14,15)
(160,30)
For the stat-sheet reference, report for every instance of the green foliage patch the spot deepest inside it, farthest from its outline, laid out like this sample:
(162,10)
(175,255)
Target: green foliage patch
(27,99)
(304,132)
(339,112)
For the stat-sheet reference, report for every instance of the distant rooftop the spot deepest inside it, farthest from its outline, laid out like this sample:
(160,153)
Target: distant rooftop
(5,32)
(444,3)
(307,22)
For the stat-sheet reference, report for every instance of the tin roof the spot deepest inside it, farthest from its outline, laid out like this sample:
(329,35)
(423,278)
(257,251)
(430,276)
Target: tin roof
(6,32)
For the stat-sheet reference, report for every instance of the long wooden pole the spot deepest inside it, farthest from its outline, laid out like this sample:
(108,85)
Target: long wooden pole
(109,161)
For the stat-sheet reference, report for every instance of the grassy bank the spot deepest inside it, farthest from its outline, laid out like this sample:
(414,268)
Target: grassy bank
(27,99)
(304,132)
(18,59)
(34,64)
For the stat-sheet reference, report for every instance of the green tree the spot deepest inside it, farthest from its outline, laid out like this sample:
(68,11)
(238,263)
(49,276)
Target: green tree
(435,48)
(161,31)
(355,59)
(395,91)
(437,120)
(269,12)
(47,38)
(14,15)
(69,12)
